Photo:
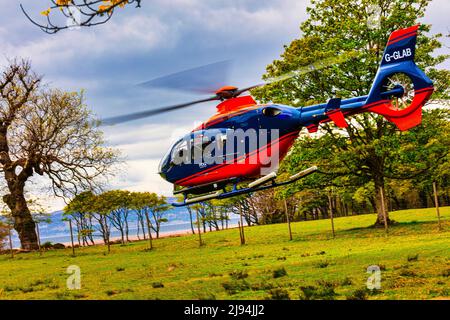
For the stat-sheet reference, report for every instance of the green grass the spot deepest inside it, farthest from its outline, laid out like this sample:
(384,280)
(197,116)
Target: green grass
(414,259)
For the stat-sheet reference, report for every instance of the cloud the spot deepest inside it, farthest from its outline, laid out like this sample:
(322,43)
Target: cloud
(67,50)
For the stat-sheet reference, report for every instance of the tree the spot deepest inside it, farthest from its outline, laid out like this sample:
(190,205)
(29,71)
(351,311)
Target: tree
(145,203)
(50,133)
(357,153)
(80,209)
(137,204)
(180,198)
(412,159)
(158,207)
(118,204)
(77,13)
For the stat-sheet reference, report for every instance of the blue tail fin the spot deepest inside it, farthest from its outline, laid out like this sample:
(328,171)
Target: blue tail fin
(401,46)
(398,57)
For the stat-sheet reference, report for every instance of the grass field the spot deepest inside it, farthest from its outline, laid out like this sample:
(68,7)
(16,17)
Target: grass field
(414,261)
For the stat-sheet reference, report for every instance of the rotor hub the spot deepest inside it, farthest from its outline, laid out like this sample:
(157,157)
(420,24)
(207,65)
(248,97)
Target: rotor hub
(227,92)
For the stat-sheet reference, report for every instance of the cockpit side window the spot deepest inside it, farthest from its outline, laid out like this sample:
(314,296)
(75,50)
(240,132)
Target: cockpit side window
(179,151)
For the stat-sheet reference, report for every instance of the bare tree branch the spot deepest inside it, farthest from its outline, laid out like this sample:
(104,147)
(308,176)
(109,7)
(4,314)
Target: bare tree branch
(78,13)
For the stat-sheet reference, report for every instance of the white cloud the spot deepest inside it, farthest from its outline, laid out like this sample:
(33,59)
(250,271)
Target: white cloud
(142,33)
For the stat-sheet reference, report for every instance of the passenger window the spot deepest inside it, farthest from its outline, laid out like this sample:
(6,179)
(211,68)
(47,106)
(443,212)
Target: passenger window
(271,112)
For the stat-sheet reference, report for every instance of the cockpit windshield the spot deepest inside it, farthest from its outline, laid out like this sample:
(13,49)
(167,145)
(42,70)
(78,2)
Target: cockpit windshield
(165,160)
(191,148)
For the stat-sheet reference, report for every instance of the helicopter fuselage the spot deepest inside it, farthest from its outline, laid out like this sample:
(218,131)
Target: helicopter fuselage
(247,138)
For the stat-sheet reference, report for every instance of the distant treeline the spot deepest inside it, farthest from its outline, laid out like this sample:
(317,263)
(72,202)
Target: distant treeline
(92,213)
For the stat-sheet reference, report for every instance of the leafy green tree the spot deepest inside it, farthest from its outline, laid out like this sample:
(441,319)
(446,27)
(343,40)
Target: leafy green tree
(180,198)
(79,210)
(370,149)
(199,208)
(118,204)
(137,204)
(147,203)
(94,207)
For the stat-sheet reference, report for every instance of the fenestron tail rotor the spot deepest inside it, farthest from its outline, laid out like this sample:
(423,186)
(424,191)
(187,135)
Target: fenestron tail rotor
(199,80)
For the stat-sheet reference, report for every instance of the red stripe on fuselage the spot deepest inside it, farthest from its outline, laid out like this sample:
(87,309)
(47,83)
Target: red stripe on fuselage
(250,167)
(238,159)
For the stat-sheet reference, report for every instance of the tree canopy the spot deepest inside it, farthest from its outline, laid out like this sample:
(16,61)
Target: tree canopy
(49,133)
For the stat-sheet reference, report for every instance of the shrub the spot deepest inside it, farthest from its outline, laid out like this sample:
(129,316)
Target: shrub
(278,273)
(9,288)
(347,281)
(213,274)
(239,274)
(278,294)
(358,294)
(411,258)
(261,286)
(407,273)
(157,285)
(324,292)
(58,246)
(446,273)
(308,292)
(323,264)
(47,245)
(111,292)
(27,289)
(232,287)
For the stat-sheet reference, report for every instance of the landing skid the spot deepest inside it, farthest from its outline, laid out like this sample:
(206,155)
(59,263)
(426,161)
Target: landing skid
(263,183)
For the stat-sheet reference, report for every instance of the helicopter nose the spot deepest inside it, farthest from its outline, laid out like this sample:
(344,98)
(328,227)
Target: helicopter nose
(163,174)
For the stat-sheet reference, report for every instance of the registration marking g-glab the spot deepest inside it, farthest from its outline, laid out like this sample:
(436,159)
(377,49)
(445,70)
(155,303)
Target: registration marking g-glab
(396,55)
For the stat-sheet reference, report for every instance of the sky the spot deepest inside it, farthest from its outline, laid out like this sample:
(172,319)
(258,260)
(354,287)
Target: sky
(160,38)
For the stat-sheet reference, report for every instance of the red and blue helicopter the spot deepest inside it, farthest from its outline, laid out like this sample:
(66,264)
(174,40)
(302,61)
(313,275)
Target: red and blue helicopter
(201,181)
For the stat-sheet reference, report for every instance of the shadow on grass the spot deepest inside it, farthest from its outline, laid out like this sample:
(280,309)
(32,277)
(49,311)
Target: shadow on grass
(396,228)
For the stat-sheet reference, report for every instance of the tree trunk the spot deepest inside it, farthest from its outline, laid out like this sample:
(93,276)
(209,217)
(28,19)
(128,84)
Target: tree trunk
(379,183)
(191,220)
(122,236)
(157,224)
(127,230)
(23,221)
(141,219)
(138,230)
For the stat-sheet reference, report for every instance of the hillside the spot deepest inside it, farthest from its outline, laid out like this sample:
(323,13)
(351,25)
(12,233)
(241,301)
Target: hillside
(414,259)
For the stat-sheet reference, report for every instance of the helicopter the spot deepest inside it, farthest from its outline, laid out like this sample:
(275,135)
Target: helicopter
(238,150)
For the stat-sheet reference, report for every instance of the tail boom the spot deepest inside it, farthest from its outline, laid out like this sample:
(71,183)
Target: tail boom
(398,58)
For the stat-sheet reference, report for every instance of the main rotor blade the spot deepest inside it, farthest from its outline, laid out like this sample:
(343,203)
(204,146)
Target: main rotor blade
(203,79)
(152,112)
(318,65)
